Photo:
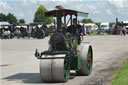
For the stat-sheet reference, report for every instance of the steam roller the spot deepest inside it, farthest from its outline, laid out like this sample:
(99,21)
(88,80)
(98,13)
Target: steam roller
(64,52)
(60,58)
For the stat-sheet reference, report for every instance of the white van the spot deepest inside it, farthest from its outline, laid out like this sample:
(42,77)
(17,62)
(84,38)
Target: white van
(126,24)
(104,25)
(91,27)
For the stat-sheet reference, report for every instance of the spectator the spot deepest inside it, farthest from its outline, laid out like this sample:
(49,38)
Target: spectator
(9,34)
(111,29)
(3,33)
(124,30)
(118,30)
(17,33)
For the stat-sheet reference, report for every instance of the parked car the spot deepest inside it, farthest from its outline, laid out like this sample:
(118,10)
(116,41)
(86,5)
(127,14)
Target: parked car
(100,31)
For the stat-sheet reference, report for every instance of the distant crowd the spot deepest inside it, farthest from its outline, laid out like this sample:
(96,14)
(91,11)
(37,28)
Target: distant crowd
(119,30)
(10,32)
(36,32)
(115,30)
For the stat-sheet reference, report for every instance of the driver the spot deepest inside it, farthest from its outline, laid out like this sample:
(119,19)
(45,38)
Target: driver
(73,30)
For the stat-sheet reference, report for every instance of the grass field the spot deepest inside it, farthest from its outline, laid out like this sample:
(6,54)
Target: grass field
(94,33)
(121,76)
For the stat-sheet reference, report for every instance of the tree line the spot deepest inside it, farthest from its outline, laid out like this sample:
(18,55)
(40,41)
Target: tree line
(38,17)
(11,19)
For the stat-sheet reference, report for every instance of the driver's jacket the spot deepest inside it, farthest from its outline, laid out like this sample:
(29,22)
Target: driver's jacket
(73,29)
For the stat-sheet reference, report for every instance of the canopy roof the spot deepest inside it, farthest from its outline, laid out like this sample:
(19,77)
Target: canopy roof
(66,12)
(4,23)
(125,22)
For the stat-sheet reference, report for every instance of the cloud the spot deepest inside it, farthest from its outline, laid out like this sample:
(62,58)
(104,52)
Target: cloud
(99,10)
(29,2)
(4,6)
(65,0)
(33,1)
(109,12)
(122,11)
(91,7)
(25,2)
(20,15)
(119,3)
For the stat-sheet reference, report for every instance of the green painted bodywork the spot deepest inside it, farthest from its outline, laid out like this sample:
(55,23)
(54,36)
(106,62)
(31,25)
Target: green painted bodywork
(72,56)
(72,60)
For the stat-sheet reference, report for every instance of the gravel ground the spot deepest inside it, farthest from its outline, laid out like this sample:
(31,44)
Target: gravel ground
(19,66)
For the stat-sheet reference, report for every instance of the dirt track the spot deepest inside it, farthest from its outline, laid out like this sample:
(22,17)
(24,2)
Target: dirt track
(20,67)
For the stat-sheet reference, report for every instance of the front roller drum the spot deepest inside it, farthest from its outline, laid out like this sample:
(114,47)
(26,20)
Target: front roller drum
(86,56)
(54,70)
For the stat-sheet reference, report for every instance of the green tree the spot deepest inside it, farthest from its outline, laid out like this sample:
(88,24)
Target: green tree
(11,19)
(111,24)
(98,24)
(87,21)
(21,21)
(2,17)
(40,15)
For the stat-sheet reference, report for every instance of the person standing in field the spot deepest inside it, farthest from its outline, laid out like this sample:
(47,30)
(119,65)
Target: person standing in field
(121,33)
(124,30)
(118,30)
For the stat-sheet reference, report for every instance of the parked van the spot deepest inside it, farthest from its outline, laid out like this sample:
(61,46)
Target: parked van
(104,25)
(126,24)
(91,27)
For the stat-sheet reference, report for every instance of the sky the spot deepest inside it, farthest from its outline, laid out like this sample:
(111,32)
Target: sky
(99,10)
